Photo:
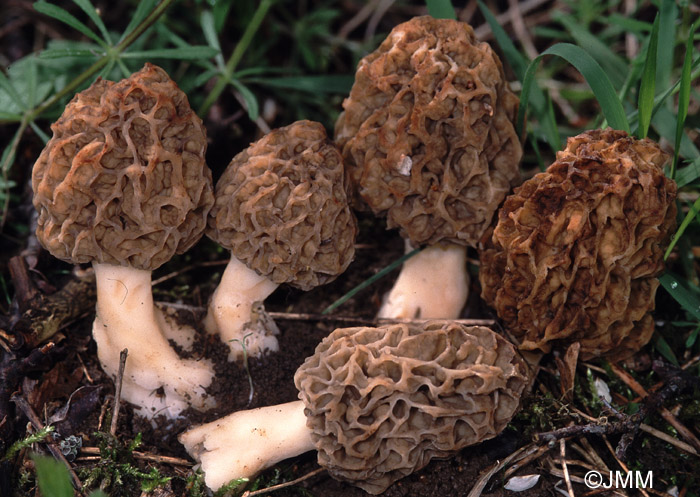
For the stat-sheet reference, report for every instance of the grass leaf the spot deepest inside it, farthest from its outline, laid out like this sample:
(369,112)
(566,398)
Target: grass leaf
(615,66)
(665,349)
(688,174)
(683,96)
(66,17)
(694,210)
(668,14)
(595,77)
(516,59)
(647,88)
(143,8)
(383,272)
(441,9)
(681,293)
(7,85)
(184,53)
(209,30)
(251,101)
(519,63)
(53,477)
(57,53)
(91,12)
(9,116)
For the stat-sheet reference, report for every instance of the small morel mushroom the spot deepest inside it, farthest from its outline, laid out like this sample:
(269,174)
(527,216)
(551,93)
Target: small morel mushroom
(377,404)
(576,250)
(123,184)
(428,139)
(281,209)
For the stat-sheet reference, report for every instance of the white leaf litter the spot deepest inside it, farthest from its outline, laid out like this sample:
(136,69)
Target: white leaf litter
(602,390)
(521,483)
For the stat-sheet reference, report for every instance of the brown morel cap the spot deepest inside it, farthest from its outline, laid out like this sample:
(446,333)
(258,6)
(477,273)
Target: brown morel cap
(281,207)
(382,402)
(123,180)
(576,249)
(427,132)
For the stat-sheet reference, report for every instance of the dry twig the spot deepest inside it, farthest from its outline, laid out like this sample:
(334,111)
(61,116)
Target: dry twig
(53,447)
(274,488)
(118,392)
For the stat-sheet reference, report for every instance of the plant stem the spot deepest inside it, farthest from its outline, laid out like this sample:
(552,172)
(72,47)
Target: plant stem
(236,56)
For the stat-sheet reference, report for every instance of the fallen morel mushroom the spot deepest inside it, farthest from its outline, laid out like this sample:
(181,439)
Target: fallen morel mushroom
(281,209)
(576,250)
(377,404)
(428,139)
(123,184)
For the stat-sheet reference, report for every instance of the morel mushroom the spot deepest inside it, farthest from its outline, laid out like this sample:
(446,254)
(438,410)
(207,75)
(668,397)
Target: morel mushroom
(123,184)
(576,250)
(377,404)
(428,139)
(281,209)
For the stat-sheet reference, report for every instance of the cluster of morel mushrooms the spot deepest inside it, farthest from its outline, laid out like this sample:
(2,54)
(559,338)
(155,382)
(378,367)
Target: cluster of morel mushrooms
(427,141)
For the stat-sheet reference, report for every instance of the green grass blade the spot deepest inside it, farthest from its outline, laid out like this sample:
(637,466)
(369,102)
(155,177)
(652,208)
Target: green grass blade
(143,8)
(688,174)
(53,477)
(40,132)
(668,14)
(9,117)
(185,53)
(665,349)
(66,17)
(647,88)
(678,289)
(58,53)
(369,281)
(683,96)
(10,89)
(519,63)
(595,77)
(516,59)
(209,30)
(441,9)
(91,12)
(251,101)
(694,210)
(615,67)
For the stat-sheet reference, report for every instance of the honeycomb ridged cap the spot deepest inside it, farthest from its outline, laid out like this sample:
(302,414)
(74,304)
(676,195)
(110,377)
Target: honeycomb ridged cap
(282,207)
(123,180)
(576,250)
(382,402)
(427,132)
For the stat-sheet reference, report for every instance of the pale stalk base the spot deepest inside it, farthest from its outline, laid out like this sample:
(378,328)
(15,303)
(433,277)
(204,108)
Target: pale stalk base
(155,377)
(237,315)
(433,284)
(244,443)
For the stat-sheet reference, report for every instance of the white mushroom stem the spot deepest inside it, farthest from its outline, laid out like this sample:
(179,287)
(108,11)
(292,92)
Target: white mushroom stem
(155,377)
(244,443)
(236,312)
(432,284)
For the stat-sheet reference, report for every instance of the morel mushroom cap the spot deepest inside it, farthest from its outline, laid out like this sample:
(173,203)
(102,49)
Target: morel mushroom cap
(382,402)
(123,184)
(427,132)
(123,179)
(281,207)
(377,403)
(576,249)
